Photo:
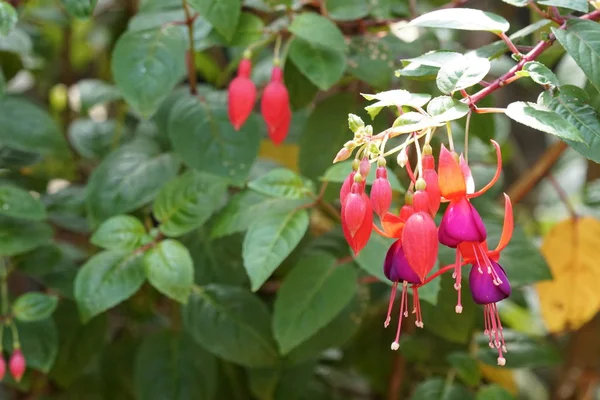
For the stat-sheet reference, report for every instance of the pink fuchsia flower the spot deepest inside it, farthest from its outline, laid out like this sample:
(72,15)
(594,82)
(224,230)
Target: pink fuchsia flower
(355,208)
(431,179)
(241,95)
(275,107)
(357,234)
(420,243)
(381,192)
(17,365)
(2,367)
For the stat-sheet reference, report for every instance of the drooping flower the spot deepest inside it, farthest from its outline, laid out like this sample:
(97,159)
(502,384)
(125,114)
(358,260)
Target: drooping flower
(17,364)
(357,230)
(2,367)
(381,191)
(397,269)
(241,95)
(355,208)
(275,107)
(489,285)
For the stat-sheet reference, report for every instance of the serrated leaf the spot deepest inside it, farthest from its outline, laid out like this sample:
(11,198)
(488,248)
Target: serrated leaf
(172,366)
(311,296)
(222,14)
(445,108)
(8,18)
(128,178)
(205,140)
(147,65)
(269,241)
(34,306)
(170,269)
(577,5)
(462,73)
(18,203)
(318,30)
(80,8)
(121,232)
(543,119)
(187,202)
(583,117)
(19,236)
(581,39)
(464,19)
(107,279)
(539,73)
(323,66)
(523,351)
(413,121)
(231,323)
(281,182)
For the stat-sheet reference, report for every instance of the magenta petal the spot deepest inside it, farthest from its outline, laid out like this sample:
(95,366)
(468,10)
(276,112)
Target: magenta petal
(396,267)
(482,285)
(461,223)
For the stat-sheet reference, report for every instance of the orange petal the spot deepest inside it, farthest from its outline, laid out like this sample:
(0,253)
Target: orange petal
(507,229)
(392,225)
(496,175)
(450,176)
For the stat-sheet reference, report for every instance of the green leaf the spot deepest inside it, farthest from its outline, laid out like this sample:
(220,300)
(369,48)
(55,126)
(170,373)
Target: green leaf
(301,90)
(493,392)
(222,14)
(2,83)
(280,182)
(418,72)
(94,91)
(231,323)
(442,319)
(339,172)
(394,98)
(147,65)
(94,139)
(413,121)
(434,58)
(128,178)
(188,201)
(577,5)
(121,232)
(172,366)
(18,236)
(8,18)
(539,73)
(34,306)
(40,350)
(170,269)
(18,203)
(323,66)
(205,139)
(523,351)
(445,108)
(27,127)
(583,117)
(312,295)
(347,10)
(517,3)
(80,8)
(437,389)
(543,119)
(269,241)
(462,73)
(317,30)
(467,19)
(372,59)
(581,39)
(281,383)
(466,367)
(107,279)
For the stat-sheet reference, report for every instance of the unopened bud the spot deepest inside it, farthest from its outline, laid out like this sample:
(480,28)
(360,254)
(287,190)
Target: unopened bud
(365,167)
(342,155)
(2,367)
(408,198)
(427,150)
(369,130)
(381,162)
(17,365)
(402,158)
(355,122)
(421,184)
(358,177)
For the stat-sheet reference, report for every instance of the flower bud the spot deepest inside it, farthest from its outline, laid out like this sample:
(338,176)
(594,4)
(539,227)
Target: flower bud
(241,95)
(2,367)
(362,235)
(275,107)
(365,167)
(342,155)
(381,193)
(402,158)
(346,187)
(433,186)
(355,122)
(17,365)
(355,208)
(421,201)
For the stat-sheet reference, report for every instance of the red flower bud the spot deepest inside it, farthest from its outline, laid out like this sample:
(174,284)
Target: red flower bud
(381,192)
(421,201)
(355,208)
(346,187)
(364,168)
(275,107)
(17,365)
(420,243)
(2,367)
(361,238)
(241,95)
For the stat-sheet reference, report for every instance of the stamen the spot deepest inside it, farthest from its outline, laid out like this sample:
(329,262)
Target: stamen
(391,305)
(457,284)
(417,303)
(403,313)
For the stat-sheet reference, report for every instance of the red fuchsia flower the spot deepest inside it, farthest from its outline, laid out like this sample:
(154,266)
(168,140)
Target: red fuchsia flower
(381,191)
(275,107)
(17,365)
(397,269)
(355,207)
(461,226)
(2,367)
(356,236)
(241,95)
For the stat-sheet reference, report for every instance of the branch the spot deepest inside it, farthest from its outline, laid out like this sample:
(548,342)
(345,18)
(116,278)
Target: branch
(191,59)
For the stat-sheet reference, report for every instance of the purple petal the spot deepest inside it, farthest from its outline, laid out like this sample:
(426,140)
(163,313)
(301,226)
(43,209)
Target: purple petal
(396,267)
(461,223)
(482,285)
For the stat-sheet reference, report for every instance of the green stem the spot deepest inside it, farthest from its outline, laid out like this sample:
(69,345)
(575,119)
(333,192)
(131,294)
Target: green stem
(15,335)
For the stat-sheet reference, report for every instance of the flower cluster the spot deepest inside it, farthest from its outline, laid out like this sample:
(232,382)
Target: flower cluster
(275,103)
(411,258)
(16,365)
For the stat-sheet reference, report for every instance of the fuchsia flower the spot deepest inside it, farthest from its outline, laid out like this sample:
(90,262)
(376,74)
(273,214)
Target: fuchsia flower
(2,367)
(17,365)
(357,223)
(241,95)
(275,107)
(381,192)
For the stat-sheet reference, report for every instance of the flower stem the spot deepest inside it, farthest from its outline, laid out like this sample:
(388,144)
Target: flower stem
(191,64)
(276,59)
(510,44)
(563,196)
(450,139)
(467,126)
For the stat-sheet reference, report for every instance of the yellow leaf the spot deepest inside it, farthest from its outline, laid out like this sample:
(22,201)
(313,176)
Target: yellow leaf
(501,376)
(572,250)
(284,154)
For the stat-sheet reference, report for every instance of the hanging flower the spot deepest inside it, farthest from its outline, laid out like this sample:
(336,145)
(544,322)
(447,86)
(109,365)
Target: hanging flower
(241,95)
(275,107)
